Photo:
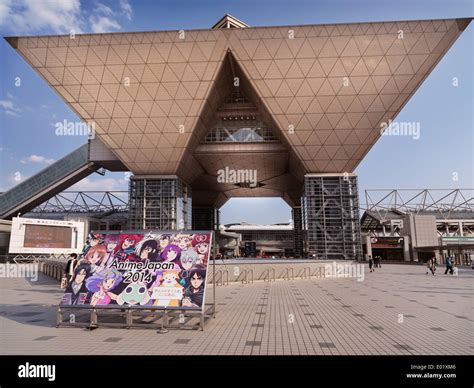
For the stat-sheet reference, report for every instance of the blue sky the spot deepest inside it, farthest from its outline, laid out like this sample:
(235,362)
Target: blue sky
(443,152)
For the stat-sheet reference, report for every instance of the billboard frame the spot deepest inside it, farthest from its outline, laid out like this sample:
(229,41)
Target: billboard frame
(164,316)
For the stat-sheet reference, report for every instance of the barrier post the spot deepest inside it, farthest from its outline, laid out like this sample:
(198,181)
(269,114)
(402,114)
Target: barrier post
(129,318)
(93,319)
(59,317)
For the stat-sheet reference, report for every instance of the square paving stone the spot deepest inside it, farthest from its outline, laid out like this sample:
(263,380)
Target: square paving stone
(376,327)
(182,341)
(45,338)
(113,339)
(327,345)
(403,347)
(253,343)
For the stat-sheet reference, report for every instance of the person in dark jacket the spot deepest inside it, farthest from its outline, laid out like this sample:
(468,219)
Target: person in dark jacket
(71,266)
(371,264)
(449,266)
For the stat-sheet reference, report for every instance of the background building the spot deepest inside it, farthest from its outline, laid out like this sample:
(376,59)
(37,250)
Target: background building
(286,111)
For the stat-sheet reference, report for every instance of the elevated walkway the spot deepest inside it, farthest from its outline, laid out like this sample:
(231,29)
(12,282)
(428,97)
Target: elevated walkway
(45,184)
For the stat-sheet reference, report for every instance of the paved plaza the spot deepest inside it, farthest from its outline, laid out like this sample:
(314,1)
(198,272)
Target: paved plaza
(396,310)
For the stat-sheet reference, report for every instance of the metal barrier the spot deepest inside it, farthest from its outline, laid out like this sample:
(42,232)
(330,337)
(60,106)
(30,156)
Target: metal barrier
(223,279)
(288,274)
(127,317)
(320,272)
(269,275)
(247,272)
(306,274)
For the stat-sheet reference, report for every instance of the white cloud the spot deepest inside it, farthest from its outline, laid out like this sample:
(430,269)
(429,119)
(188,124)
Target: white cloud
(37,159)
(61,16)
(100,184)
(9,108)
(100,24)
(104,19)
(126,9)
(4,10)
(104,10)
(25,16)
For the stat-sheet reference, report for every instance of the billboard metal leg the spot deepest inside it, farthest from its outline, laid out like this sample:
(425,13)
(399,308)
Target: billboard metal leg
(59,317)
(93,323)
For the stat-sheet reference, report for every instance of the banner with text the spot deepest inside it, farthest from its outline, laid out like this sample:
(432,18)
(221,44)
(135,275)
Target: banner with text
(162,269)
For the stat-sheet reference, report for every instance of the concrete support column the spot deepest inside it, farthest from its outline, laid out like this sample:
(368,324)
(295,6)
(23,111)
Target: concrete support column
(298,231)
(332,216)
(205,218)
(368,244)
(406,248)
(159,202)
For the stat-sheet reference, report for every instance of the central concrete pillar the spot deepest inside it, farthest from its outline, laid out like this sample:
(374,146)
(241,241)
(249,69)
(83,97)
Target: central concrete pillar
(159,202)
(298,231)
(331,216)
(205,218)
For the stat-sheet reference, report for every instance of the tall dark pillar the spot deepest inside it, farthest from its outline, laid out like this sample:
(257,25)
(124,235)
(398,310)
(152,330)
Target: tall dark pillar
(159,202)
(205,218)
(331,216)
(298,231)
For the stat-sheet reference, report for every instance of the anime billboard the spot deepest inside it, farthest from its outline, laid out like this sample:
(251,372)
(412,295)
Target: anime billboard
(152,269)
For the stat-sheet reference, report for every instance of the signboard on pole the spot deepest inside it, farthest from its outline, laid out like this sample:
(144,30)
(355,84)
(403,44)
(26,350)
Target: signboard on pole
(153,268)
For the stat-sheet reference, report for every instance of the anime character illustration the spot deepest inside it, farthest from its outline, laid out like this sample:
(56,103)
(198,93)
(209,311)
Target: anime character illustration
(194,294)
(76,291)
(188,259)
(93,239)
(171,253)
(111,243)
(165,239)
(96,257)
(124,250)
(147,249)
(201,245)
(183,241)
(101,284)
(169,293)
(133,294)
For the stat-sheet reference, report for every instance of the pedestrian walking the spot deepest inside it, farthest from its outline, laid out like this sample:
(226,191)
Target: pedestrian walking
(431,266)
(449,266)
(70,267)
(371,264)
